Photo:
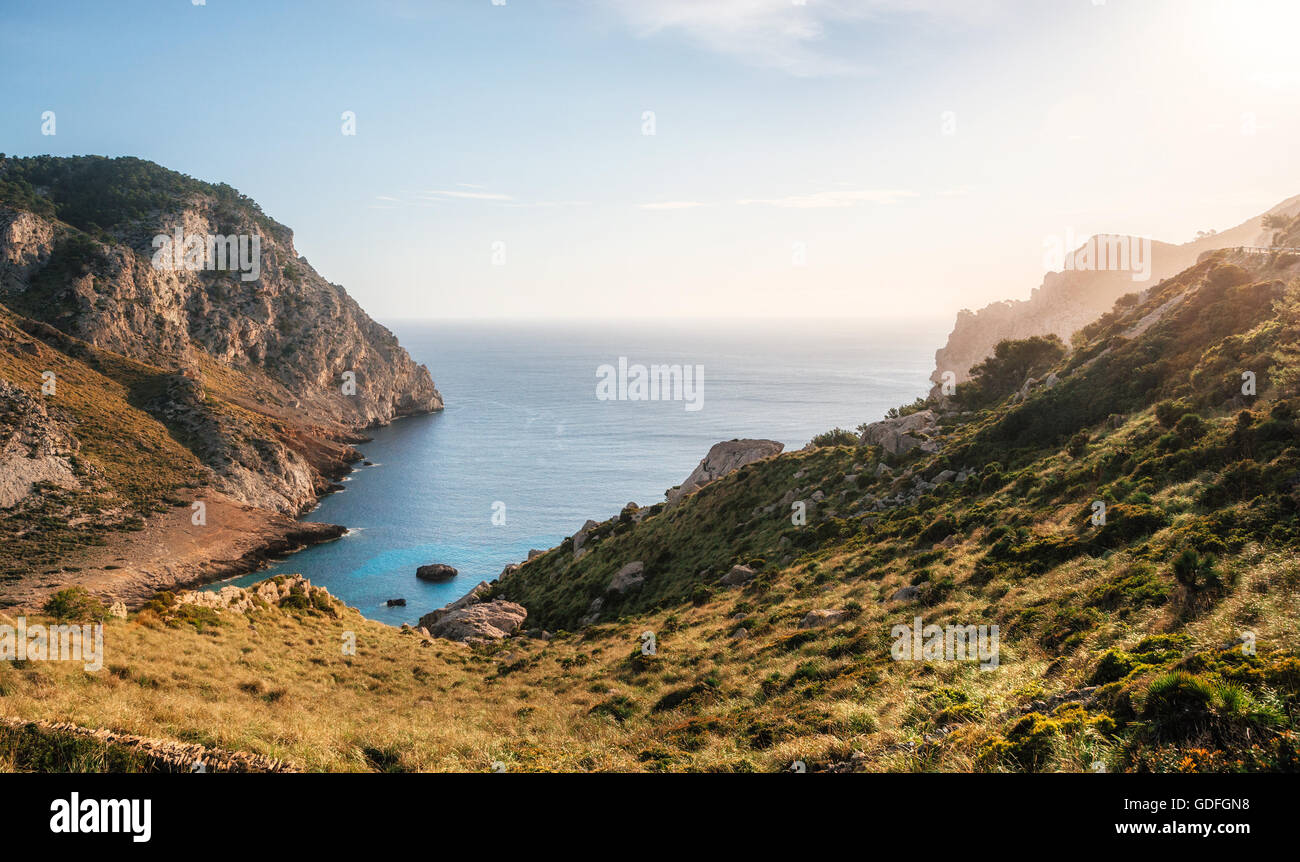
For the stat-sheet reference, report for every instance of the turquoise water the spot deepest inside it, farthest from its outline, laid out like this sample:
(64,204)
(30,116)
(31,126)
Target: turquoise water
(523,428)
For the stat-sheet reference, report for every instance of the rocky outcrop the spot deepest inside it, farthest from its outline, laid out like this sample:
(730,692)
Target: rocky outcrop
(1070,299)
(905,594)
(580,538)
(627,578)
(724,458)
(905,433)
(247,463)
(26,243)
(474,595)
(474,619)
(273,592)
(1032,385)
(34,447)
(480,622)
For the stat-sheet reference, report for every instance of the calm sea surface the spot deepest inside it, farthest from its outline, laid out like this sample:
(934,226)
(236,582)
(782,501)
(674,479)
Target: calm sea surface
(524,435)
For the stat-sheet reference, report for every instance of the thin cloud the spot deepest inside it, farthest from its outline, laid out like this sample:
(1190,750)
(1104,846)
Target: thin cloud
(476,196)
(837,198)
(777,33)
(433,197)
(542,204)
(671,205)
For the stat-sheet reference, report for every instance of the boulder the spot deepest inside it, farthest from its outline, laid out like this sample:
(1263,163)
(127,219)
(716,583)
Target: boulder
(737,577)
(480,622)
(906,594)
(903,434)
(436,572)
(580,537)
(396,603)
(823,617)
(593,612)
(474,595)
(723,458)
(627,578)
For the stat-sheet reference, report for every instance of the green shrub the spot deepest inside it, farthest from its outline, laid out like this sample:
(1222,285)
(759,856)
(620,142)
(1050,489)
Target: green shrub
(1196,571)
(75,605)
(1177,704)
(835,437)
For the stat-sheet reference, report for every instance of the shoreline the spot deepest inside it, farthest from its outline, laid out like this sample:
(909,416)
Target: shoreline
(172,554)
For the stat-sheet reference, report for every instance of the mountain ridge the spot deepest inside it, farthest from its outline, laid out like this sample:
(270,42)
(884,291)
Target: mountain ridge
(1068,300)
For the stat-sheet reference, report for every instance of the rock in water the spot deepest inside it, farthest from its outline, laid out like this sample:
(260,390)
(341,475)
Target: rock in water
(436,572)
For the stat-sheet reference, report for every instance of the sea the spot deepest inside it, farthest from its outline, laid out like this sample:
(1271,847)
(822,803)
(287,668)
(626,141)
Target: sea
(549,424)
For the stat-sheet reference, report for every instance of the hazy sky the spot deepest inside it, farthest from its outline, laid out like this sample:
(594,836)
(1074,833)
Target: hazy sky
(883,158)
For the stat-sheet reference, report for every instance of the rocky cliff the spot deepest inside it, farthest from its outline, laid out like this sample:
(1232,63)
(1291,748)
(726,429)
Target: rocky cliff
(1071,298)
(111,284)
(163,342)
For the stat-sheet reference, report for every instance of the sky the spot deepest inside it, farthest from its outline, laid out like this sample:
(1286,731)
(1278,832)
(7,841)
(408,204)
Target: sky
(642,159)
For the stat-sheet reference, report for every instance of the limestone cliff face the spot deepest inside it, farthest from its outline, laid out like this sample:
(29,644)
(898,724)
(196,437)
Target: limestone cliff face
(290,324)
(1069,300)
(265,371)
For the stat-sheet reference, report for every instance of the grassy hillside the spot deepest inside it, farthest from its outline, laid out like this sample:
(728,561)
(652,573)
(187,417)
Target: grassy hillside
(1163,639)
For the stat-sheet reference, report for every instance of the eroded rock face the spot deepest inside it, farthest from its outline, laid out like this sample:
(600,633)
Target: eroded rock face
(309,357)
(724,458)
(300,330)
(580,538)
(34,447)
(247,463)
(26,243)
